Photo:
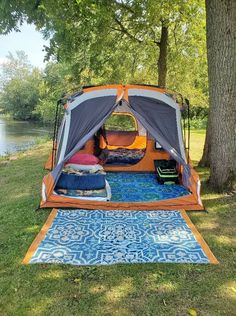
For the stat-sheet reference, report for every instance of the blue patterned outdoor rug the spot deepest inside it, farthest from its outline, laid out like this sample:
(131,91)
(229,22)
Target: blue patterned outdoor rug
(95,237)
(139,187)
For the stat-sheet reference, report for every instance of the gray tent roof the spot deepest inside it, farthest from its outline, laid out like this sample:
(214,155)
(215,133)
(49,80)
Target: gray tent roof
(87,112)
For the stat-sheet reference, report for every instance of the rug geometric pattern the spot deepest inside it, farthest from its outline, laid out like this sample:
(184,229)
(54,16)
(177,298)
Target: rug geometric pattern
(139,187)
(95,237)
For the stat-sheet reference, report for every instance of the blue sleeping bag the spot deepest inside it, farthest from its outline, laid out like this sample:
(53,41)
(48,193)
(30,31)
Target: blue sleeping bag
(81,182)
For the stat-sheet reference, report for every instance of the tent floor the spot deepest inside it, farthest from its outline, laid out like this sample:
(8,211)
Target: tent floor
(141,187)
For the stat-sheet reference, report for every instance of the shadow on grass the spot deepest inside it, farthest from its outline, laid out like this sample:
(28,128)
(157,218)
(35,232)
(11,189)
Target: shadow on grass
(147,289)
(137,289)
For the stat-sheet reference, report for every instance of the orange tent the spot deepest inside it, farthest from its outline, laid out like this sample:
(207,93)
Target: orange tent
(155,111)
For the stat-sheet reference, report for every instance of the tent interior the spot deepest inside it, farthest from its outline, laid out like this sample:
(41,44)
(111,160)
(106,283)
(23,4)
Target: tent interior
(124,160)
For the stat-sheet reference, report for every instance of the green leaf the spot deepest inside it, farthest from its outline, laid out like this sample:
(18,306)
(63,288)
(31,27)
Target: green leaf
(192,312)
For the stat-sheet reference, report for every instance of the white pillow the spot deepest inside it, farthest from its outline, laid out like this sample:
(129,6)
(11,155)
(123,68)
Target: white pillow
(92,168)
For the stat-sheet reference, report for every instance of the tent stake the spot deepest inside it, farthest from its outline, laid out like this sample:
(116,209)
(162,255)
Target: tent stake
(38,208)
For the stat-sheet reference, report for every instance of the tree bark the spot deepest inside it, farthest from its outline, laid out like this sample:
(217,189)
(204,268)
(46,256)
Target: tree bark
(221,54)
(162,59)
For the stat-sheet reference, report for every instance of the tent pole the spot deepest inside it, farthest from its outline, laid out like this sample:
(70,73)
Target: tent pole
(184,133)
(55,135)
(188,125)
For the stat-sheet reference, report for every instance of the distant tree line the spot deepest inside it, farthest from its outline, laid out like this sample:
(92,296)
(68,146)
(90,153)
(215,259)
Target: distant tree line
(111,41)
(28,93)
(120,41)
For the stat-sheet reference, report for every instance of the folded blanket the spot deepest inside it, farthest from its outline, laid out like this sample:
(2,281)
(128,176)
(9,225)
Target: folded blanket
(81,182)
(76,171)
(89,168)
(85,193)
(125,156)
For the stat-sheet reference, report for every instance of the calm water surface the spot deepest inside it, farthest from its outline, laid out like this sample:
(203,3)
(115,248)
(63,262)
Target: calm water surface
(18,135)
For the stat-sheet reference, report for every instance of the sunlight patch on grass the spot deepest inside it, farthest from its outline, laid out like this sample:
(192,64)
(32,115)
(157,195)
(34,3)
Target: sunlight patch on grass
(32,229)
(21,195)
(224,240)
(229,289)
(98,289)
(118,292)
(196,144)
(156,282)
(213,196)
(51,275)
(41,307)
(166,287)
(208,225)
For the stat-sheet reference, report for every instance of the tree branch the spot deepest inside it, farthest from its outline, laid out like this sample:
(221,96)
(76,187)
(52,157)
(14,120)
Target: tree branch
(157,43)
(125,31)
(37,3)
(124,6)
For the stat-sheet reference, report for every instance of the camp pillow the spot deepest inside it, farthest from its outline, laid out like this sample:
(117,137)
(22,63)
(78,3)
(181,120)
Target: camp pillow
(79,167)
(83,159)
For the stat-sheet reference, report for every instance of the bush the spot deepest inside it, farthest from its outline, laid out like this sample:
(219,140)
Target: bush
(198,112)
(198,123)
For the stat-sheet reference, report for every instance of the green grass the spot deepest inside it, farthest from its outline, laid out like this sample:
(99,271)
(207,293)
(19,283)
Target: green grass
(141,289)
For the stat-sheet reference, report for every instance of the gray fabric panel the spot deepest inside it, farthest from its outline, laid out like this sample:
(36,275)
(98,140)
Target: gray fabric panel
(60,140)
(160,116)
(85,116)
(160,121)
(90,115)
(86,120)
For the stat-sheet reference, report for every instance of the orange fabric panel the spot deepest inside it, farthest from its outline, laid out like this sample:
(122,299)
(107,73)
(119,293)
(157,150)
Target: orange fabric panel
(48,164)
(125,97)
(195,181)
(48,180)
(125,88)
(88,147)
(187,202)
(139,143)
(119,87)
(120,138)
(133,86)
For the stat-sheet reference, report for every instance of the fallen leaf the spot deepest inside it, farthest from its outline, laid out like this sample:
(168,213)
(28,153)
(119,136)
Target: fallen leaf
(192,312)
(233,289)
(77,280)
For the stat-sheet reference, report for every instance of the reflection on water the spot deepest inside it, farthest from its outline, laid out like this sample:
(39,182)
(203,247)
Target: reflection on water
(18,135)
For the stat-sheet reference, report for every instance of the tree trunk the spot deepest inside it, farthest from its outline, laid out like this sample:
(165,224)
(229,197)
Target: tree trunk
(221,54)
(162,60)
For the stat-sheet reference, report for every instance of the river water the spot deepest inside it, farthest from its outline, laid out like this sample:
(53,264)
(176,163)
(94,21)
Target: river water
(19,135)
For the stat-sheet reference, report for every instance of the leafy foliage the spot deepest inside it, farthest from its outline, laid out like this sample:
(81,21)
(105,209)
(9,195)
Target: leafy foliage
(121,122)
(118,40)
(56,80)
(115,41)
(20,87)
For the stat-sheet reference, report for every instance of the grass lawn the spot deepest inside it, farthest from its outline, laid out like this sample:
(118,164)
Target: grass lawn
(139,289)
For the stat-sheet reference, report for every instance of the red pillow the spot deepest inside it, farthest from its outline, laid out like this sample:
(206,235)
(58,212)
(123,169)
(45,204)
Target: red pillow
(83,159)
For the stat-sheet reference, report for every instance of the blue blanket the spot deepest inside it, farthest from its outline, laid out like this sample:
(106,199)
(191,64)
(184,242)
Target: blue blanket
(81,182)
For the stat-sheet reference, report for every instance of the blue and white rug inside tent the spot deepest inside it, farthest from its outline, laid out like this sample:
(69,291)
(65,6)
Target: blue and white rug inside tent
(140,187)
(95,237)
